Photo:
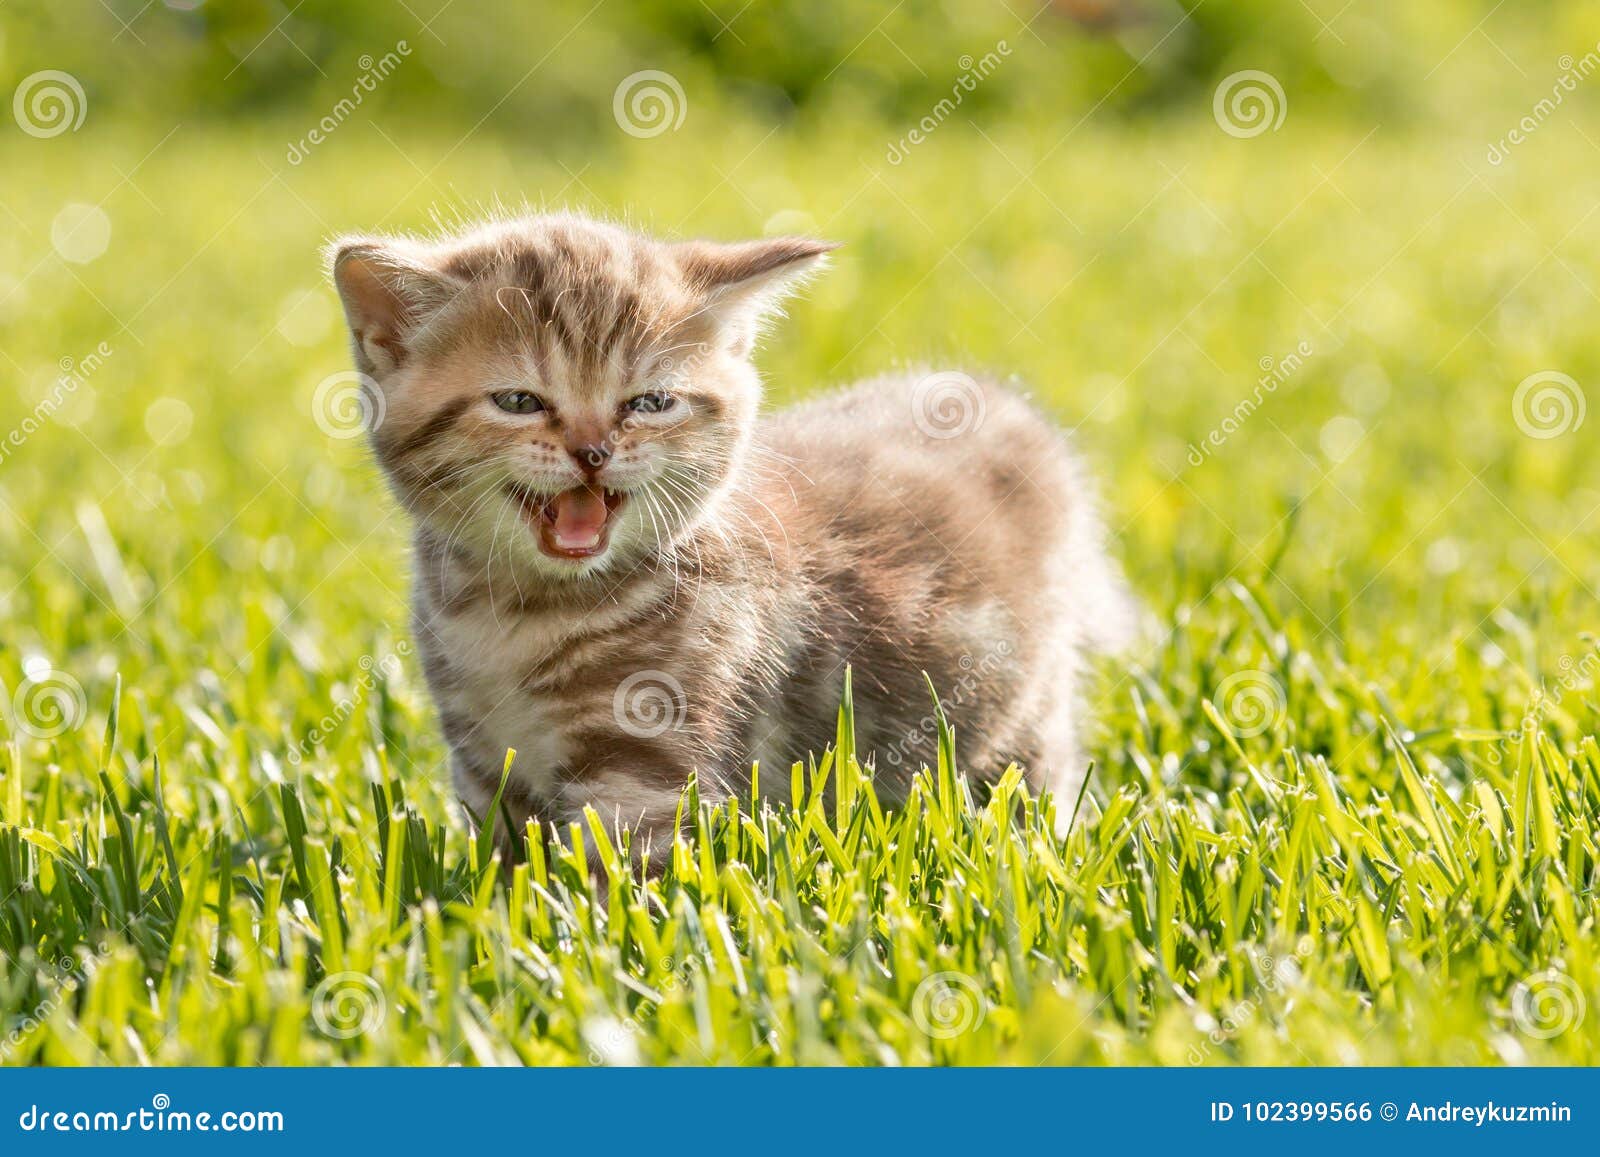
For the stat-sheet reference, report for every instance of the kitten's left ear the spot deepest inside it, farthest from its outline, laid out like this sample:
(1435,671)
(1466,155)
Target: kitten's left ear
(742,282)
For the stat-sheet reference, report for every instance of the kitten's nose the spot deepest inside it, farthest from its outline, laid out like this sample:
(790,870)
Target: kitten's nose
(591,457)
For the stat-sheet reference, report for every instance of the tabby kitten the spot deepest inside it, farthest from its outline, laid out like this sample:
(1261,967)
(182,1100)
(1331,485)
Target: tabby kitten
(626,573)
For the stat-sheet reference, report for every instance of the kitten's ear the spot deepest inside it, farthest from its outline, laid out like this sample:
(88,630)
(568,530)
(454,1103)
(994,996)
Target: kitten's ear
(742,282)
(388,288)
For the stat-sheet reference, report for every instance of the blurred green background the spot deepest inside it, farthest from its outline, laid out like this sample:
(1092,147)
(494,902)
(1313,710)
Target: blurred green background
(1080,218)
(1395,224)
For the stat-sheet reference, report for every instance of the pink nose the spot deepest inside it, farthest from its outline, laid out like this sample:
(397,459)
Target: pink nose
(590,458)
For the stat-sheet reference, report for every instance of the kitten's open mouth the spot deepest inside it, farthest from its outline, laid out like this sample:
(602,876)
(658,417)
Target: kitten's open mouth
(573,524)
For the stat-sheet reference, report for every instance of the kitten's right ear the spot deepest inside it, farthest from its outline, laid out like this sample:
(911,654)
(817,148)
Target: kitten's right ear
(388,290)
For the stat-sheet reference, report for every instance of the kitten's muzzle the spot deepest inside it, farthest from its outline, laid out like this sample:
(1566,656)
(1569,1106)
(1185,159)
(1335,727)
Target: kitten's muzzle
(572,524)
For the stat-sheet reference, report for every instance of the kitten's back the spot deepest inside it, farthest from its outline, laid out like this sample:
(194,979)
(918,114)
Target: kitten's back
(986,475)
(949,529)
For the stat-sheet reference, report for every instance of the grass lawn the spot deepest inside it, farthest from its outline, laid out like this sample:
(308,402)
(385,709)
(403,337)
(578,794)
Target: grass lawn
(1347,799)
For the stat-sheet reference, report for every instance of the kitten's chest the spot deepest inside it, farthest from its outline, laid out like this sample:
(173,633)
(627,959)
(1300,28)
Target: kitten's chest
(489,657)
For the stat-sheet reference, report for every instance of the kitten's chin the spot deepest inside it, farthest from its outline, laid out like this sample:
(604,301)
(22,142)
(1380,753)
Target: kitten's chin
(573,525)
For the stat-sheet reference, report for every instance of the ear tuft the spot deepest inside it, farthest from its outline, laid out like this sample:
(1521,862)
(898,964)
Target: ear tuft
(711,265)
(388,289)
(744,280)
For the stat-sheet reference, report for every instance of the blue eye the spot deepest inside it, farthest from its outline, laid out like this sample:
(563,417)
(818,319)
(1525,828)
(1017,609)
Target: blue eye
(654,402)
(518,402)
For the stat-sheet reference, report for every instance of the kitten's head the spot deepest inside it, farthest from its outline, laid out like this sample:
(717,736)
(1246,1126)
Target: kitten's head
(558,393)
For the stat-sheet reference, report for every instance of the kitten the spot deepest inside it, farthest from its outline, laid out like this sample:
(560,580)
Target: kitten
(625,573)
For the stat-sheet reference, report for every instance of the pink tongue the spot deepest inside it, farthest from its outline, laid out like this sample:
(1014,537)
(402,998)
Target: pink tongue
(580,516)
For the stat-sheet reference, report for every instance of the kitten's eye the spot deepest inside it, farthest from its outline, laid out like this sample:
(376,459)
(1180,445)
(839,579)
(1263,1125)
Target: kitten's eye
(655,402)
(518,402)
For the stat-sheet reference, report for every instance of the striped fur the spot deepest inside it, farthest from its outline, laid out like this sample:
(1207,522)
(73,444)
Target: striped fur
(751,559)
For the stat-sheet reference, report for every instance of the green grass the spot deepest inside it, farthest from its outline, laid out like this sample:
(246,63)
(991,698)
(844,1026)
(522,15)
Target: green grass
(1320,829)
